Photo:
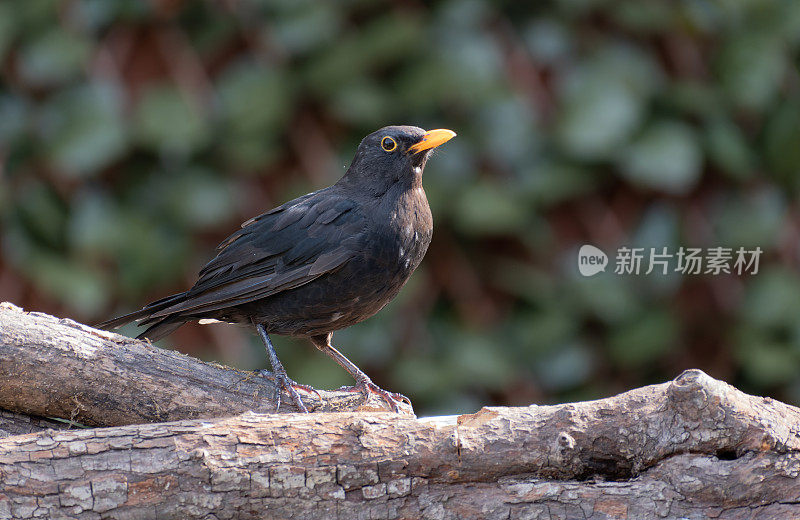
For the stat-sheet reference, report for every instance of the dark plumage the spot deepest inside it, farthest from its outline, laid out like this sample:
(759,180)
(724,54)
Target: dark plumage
(321,262)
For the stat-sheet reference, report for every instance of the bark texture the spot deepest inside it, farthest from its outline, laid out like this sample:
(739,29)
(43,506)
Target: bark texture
(692,448)
(52,367)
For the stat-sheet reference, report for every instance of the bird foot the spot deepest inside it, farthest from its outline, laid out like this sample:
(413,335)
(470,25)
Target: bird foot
(283,382)
(366,386)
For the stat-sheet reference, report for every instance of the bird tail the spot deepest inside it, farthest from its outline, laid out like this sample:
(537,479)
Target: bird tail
(160,328)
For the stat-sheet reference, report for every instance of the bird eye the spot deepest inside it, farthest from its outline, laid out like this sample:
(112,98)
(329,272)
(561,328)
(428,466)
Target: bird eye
(388,144)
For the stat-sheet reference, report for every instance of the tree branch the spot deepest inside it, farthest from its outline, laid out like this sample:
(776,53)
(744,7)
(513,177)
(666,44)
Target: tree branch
(54,367)
(692,448)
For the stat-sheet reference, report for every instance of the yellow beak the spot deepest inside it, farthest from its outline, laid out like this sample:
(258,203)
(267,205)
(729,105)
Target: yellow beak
(432,139)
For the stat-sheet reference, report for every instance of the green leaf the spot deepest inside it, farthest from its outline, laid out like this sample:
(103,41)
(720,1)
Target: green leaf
(42,213)
(598,113)
(751,68)
(665,157)
(94,223)
(642,340)
(14,118)
(166,121)
(781,139)
(728,148)
(765,211)
(76,285)
(82,129)
(308,27)
(766,362)
(255,102)
(611,299)
(53,58)
(380,43)
(772,299)
(361,103)
(567,366)
(548,40)
(486,208)
(8,27)
(548,183)
(603,100)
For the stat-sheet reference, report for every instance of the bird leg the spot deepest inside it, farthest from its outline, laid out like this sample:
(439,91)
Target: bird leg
(282,380)
(363,383)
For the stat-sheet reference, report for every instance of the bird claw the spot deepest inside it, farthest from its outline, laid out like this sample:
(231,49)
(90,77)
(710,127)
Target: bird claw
(282,381)
(366,387)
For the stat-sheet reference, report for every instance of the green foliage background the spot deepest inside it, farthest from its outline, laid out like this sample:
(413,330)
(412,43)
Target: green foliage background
(136,135)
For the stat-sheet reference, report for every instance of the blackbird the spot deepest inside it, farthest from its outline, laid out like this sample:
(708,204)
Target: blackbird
(320,262)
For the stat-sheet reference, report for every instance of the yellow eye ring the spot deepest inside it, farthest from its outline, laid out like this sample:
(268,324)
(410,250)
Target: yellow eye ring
(388,144)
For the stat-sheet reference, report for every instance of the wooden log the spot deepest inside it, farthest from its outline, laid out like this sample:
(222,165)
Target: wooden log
(692,448)
(18,424)
(52,367)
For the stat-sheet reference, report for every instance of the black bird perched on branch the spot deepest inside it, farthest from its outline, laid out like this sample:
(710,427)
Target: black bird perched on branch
(321,262)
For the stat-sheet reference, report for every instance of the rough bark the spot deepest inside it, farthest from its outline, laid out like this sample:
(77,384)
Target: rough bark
(18,424)
(692,448)
(52,367)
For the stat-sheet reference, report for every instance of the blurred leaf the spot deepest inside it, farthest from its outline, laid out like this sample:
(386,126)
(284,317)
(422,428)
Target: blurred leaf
(148,253)
(766,363)
(645,17)
(772,299)
(765,210)
(168,123)
(510,136)
(485,208)
(475,357)
(35,16)
(472,61)
(602,101)
(751,67)
(728,149)
(549,183)
(665,157)
(642,340)
(80,286)
(14,118)
(255,102)
(42,213)
(706,15)
(53,58)
(95,223)
(8,27)
(202,200)
(546,331)
(82,129)
(658,227)
(565,367)
(693,98)
(609,298)
(548,40)
(781,138)
(361,103)
(378,44)
(308,27)
(526,282)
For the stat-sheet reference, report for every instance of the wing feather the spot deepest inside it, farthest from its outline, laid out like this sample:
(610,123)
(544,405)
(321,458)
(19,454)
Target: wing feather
(279,250)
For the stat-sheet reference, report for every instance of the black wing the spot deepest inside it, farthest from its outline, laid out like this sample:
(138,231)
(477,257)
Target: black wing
(281,249)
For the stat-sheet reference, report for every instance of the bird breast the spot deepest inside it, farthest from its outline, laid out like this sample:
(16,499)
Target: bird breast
(411,229)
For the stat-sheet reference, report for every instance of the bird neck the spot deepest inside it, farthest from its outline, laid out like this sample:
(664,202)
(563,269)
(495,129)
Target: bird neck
(354,179)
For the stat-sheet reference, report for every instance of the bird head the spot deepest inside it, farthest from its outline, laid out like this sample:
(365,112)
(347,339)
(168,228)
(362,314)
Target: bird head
(393,154)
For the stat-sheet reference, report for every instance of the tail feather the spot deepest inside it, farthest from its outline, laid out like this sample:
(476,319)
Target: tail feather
(160,329)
